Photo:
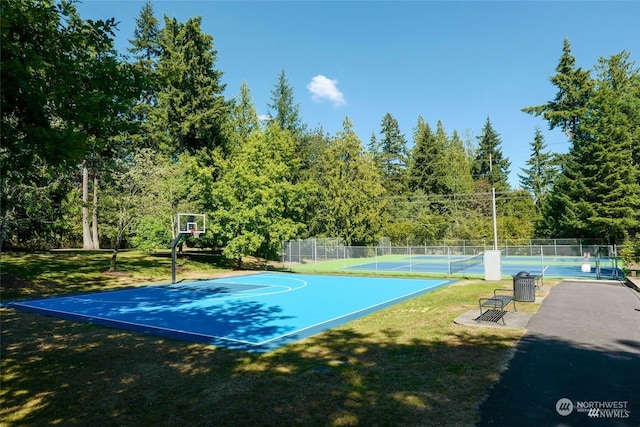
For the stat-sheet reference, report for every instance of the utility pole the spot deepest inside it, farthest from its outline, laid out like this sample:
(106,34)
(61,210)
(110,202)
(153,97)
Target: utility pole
(493,205)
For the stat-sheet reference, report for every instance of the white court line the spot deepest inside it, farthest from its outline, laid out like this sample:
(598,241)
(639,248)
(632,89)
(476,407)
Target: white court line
(124,322)
(283,289)
(402,267)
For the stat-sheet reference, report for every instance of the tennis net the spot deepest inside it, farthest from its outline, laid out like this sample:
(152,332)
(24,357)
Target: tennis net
(458,265)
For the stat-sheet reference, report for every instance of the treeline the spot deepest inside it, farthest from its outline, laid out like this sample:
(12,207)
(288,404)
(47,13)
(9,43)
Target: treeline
(99,149)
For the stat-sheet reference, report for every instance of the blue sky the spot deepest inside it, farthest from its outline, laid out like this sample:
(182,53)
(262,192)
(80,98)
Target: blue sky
(458,61)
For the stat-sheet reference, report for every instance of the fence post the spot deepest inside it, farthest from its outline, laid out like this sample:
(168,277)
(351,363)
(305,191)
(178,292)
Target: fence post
(542,263)
(344,256)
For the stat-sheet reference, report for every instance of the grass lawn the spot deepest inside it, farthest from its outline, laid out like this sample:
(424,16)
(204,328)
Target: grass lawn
(408,364)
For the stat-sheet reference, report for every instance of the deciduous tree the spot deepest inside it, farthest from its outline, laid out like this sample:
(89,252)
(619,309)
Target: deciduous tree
(64,89)
(255,205)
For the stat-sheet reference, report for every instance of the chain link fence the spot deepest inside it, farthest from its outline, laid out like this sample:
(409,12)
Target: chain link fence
(443,257)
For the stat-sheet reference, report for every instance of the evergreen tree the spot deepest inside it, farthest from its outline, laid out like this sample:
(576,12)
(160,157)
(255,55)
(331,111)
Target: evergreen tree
(541,173)
(146,50)
(440,163)
(244,117)
(351,191)
(458,173)
(457,183)
(598,192)
(145,47)
(375,149)
(490,165)
(307,172)
(574,90)
(421,155)
(191,109)
(283,108)
(392,156)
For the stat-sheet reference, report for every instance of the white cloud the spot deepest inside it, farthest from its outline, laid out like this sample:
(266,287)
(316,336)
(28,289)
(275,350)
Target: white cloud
(323,88)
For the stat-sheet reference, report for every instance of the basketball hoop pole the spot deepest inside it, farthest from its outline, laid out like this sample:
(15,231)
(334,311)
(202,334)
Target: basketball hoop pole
(174,245)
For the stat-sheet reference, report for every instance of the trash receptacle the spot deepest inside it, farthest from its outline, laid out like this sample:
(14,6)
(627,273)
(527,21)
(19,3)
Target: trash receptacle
(524,287)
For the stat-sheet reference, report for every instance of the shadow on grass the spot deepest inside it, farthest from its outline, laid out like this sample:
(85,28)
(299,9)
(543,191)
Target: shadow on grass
(77,271)
(68,373)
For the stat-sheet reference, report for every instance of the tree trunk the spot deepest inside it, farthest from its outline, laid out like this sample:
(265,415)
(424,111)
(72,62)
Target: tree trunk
(94,216)
(114,254)
(4,224)
(87,241)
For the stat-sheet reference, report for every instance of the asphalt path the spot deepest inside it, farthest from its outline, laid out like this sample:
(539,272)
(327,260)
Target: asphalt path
(577,365)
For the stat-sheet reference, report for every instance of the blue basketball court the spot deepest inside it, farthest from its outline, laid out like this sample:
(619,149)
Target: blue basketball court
(257,313)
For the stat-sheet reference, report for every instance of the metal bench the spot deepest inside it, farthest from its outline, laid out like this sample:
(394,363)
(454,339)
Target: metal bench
(493,309)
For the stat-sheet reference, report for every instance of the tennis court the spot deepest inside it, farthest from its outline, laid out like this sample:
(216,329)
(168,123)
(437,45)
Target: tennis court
(473,266)
(257,312)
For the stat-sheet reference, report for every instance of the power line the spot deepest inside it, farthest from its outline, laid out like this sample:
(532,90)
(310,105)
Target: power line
(512,194)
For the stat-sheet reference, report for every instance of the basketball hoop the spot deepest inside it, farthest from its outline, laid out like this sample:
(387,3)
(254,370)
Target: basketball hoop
(188,224)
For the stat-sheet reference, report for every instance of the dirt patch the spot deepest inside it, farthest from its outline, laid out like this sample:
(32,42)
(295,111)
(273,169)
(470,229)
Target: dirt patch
(116,273)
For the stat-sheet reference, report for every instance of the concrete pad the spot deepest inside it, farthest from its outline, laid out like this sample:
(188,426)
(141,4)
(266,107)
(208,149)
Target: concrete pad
(512,320)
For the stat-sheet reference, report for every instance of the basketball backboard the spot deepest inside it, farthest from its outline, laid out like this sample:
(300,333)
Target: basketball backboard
(190,223)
